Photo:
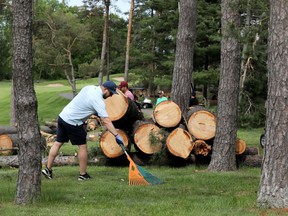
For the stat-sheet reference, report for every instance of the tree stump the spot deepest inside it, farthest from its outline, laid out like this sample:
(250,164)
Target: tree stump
(147,137)
(201,123)
(167,114)
(179,143)
(109,145)
(122,111)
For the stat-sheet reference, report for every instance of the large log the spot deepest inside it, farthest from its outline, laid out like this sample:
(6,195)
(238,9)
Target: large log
(122,111)
(240,146)
(12,161)
(147,137)
(8,130)
(109,145)
(179,143)
(167,114)
(201,123)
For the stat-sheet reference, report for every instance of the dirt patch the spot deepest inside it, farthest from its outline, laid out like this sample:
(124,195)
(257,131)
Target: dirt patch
(55,85)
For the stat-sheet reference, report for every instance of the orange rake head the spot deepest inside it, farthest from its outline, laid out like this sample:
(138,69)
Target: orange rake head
(139,176)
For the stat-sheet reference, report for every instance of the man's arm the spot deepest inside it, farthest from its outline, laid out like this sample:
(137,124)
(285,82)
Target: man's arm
(108,123)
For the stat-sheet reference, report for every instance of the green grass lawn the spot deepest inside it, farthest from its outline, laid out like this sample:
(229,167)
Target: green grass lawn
(187,191)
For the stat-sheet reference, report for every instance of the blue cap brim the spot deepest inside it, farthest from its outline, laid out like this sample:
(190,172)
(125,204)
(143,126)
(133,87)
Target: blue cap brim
(113,92)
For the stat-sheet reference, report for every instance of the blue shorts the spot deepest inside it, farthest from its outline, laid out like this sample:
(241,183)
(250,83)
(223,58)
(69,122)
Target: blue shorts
(65,132)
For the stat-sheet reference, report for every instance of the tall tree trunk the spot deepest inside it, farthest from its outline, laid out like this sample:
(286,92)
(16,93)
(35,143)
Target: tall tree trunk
(128,41)
(224,147)
(274,179)
(70,77)
(245,57)
(29,176)
(12,110)
(104,42)
(183,66)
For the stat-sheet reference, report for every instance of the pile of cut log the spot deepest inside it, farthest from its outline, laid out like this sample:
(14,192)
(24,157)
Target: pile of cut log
(187,137)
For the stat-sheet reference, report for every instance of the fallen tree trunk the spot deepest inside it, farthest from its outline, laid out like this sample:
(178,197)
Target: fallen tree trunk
(8,130)
(12,161)
(240,146)
(122,111)
(201,123)
(167,114)
(249,160)
(147,137)
(109,145)
(179,143)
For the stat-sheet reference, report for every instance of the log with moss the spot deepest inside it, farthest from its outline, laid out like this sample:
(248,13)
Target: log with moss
(148,137)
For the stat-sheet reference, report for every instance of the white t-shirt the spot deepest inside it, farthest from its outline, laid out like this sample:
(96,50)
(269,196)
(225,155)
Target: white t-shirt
(88,101)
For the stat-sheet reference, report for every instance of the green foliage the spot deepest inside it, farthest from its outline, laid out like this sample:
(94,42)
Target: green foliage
(206,77)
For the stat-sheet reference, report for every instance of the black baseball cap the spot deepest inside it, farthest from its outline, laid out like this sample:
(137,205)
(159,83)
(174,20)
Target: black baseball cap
(111,86)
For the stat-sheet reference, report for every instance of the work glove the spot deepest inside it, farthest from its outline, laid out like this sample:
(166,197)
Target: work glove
(119,139)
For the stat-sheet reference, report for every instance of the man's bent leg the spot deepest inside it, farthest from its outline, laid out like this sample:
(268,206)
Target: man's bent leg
(53,153)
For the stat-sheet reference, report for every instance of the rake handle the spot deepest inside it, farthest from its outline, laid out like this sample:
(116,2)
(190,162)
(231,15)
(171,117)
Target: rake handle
(123,148)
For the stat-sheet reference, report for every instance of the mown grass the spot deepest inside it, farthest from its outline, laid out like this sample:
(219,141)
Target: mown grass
(187,191)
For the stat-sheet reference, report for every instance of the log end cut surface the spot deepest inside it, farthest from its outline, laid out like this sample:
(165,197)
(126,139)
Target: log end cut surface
(6,145)
(116,106)
(240,146)
(109,145)
(179,143)
(202,125)
(167,114)
(148,138)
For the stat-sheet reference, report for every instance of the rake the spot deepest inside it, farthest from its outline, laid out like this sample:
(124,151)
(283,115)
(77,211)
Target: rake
(138,175)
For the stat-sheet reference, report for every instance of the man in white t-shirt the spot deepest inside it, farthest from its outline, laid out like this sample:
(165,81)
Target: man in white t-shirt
(89,101)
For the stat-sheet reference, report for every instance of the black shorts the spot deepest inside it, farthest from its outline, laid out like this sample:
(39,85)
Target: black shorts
(65,132)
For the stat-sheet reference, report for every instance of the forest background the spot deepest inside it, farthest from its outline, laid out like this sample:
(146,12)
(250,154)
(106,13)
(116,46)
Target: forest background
(66,35)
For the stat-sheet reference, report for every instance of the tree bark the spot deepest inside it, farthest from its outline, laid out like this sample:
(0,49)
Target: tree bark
(29,176)
(183,66)
(223,155)
(273,191)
